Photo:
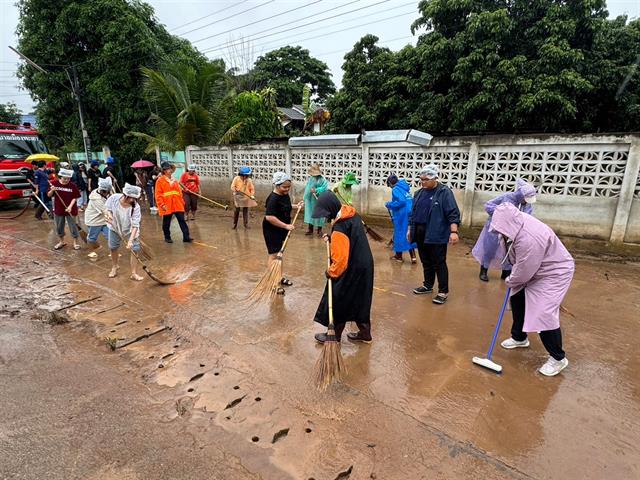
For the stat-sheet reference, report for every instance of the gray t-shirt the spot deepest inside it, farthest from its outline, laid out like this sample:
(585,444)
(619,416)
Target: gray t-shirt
(124,218)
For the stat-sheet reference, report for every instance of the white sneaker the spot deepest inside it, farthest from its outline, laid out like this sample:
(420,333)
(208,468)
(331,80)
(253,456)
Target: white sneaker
(553,367)
(92,255)
(510,343)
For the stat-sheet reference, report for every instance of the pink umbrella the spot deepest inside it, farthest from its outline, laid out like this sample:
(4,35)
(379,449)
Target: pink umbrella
(142,164)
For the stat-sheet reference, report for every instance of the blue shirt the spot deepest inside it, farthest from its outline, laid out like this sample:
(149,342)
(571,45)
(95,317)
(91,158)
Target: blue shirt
(423,206)
(42,180)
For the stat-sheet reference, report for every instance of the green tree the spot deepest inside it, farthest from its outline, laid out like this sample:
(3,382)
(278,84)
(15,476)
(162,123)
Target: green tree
(188,106)
(10,113)
(288,69)
(370,97)
(253,117)
(108,41)
(496,65)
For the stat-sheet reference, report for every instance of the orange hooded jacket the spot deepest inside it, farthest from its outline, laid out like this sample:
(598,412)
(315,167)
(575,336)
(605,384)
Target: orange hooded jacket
(168,196)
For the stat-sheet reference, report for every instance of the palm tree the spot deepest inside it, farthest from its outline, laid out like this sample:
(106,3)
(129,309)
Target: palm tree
(189,106)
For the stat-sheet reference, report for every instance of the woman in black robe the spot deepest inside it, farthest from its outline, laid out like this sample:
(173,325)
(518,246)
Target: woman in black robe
(351,270)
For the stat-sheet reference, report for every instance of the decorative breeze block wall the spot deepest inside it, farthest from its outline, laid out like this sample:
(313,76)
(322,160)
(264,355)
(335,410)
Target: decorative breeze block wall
(263,162)
(406,163)
(576,170)
(334,162)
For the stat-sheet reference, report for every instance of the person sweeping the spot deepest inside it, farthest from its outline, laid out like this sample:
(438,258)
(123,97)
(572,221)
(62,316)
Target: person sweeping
(344,189)
(316,185)
(277,221)
(94,215)
(539,280)
(350,271)
(170,202)
(65,194)
(190,182)
(244,195)
(485,250)
(399,208)
(122,213)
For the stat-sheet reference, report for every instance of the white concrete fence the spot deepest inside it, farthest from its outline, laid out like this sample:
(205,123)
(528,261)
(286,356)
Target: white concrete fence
(589,185)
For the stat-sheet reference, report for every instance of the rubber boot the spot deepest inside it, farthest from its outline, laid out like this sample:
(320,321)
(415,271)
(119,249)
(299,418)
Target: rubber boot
(309,230)
(236,214)
(505,274)
(483,274)
(319,231)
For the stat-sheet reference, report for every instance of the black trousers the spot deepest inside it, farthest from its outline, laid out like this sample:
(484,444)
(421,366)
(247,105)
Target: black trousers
(433,257)
(166,225)
(551,339)
(245,215)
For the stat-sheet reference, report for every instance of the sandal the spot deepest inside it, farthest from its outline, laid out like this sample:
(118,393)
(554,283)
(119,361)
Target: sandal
(59,245)
(76,246)
(136,277)
(279,291)
(440,298)
(286,282)
(113,272)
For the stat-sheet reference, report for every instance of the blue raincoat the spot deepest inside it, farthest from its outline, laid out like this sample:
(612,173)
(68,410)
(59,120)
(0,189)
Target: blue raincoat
(400,207)
(320,184)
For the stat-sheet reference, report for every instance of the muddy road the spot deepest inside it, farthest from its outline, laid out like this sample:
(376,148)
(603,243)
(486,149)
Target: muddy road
(228,389)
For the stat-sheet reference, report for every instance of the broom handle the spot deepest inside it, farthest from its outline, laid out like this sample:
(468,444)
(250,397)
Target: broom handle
(226,207)
(330,286)
(286,240)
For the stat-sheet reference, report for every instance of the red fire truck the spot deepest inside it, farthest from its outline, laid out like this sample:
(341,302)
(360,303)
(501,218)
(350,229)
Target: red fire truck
(17,142)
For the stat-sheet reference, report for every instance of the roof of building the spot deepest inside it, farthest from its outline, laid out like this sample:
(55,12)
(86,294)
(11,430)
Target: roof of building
(291,113)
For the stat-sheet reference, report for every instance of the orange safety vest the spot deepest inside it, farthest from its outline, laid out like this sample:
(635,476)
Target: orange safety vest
(168,196)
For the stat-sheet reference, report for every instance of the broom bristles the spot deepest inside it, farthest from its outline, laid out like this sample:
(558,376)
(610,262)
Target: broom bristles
(374,235)
(330,366)
(268,284)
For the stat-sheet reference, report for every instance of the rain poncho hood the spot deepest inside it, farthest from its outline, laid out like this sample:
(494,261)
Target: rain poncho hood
(487,250)
(327,206)
(541,265)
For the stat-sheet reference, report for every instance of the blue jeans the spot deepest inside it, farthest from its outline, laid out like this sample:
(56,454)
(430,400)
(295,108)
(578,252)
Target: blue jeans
(94,233)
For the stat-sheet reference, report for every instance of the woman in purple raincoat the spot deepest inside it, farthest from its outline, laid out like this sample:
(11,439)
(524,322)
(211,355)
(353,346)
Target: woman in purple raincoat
(540,278)
(486,249)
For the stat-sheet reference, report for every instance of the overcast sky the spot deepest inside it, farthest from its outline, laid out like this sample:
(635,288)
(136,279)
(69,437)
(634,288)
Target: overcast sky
(227,23)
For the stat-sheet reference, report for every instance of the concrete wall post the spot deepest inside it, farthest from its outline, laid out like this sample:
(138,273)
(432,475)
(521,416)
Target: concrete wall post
(627,190)
(470,185)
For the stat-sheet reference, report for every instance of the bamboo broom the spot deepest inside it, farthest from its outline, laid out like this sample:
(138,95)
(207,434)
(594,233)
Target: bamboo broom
(266,289)
(330,366)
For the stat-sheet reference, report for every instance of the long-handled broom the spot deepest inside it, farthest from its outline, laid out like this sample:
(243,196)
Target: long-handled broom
(146,269)
(330,366)
(226,207)
(266,289)
(486,362)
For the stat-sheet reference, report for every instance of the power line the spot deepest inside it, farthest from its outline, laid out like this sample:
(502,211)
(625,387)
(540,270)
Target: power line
(239,13)
(381,41)
(324,34)
(320,20)
(207,16)
(260,21)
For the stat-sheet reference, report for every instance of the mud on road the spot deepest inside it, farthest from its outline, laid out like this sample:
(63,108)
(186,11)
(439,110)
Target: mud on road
(236,382)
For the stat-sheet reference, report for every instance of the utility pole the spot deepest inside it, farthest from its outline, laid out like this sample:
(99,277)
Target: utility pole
(75,90)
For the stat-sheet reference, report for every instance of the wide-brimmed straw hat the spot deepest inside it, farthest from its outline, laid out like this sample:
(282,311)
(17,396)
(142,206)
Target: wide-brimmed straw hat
(314,170)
